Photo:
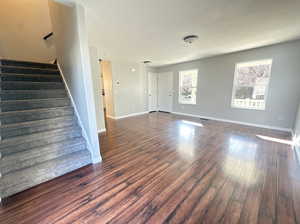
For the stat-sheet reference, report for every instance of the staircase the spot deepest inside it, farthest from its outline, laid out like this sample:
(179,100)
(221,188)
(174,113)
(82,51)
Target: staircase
(40,136)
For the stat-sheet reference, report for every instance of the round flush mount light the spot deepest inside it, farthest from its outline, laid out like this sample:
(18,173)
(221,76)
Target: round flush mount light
(190,39)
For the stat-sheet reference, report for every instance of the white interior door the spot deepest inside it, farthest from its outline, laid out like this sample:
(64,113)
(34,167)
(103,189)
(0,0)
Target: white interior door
(152,91)
(165,91)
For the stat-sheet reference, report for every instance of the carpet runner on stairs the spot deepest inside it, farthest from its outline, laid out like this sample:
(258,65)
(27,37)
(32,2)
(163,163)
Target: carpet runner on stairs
(40,136)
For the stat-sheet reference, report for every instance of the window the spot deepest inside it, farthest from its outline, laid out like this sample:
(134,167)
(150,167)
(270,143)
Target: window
(250,85)
(188,86)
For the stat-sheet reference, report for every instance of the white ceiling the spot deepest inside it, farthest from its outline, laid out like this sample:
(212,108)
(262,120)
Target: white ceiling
(140,30)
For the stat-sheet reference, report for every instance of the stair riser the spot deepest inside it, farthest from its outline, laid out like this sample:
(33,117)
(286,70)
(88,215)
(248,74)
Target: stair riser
(27,105)
(14,132)
(33,116)
(20,70)
(21,180)
(28,96)
(37,78)
(36,156)
(30,86)
(27,64)
(39,141)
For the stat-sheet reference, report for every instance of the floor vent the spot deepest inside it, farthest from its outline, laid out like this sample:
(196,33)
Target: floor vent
(204,119)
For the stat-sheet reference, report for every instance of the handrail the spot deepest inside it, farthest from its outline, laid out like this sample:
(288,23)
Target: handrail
(47,36)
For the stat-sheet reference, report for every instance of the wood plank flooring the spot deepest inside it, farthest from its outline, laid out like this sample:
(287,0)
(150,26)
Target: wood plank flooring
(163,168)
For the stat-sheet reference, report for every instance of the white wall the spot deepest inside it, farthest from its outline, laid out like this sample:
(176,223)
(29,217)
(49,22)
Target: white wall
(73,55)
(297,123)
(130,96)
(129,88)
(96,79)
(215,82)
(23,24)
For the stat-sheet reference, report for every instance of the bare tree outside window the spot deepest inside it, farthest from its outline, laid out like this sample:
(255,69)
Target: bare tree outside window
(188,86)
(250,84)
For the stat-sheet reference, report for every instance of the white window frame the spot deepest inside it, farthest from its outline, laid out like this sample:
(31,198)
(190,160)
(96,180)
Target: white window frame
(263,61)
(179,84)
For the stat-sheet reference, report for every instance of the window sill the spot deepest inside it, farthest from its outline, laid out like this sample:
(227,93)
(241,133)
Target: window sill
(245,108)
(187,103)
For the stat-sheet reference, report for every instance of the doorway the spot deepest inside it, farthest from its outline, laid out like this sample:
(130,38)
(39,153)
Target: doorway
(107,88)
(152,92)
(160,92)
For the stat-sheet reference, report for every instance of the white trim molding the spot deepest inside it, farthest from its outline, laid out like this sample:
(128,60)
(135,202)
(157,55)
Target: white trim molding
(84,133)
(111,117)
(88,81)
(236,73)
(102,130)
(236,122)
(182,73)
(128,115)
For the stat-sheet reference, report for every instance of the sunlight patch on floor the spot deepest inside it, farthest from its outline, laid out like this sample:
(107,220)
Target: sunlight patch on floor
(240,162)
(192,123)
(186,131)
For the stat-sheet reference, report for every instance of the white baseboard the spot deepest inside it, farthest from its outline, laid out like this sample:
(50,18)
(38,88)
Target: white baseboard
(102,130)
(128,115)
(84,133)
(236,122)
(111,117)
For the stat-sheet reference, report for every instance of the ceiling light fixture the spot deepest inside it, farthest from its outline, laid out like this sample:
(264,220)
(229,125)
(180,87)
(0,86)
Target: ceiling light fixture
(190,39)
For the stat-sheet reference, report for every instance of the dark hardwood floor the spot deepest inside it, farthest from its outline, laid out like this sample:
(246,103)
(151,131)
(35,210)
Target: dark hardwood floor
(161,168)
